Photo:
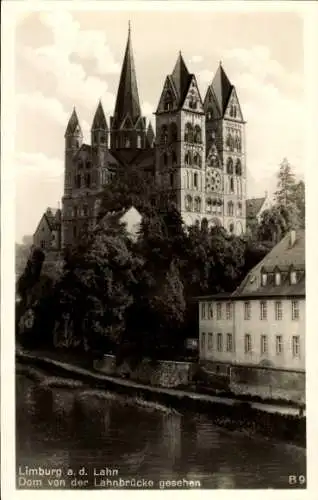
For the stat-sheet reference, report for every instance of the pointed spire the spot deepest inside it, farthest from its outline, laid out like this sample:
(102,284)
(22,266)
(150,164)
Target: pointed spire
(222,87)
(180,77)
(99,121)
(127,101)
(73,124)
(150,136)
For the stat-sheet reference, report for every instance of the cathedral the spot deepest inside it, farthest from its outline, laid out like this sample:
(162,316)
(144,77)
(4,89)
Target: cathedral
(196,154)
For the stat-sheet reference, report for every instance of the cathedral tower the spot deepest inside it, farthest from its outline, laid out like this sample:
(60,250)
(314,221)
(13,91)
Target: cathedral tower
(128,127)
(180,148)
(226,160)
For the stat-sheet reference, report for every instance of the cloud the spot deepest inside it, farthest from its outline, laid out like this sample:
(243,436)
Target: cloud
(50,106)
(147,110)
(205,77)
(196,59)
(70,76)
(48,168)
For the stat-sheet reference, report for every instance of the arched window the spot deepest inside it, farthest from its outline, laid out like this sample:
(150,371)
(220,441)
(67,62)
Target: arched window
(195,181)
(88,180)
(197,204)
(230,208)
(209,205)
(229,166)
(188,158)
(77,144)
(230,141)
(188,133)
(174,157)
(138,141)
(168,101)
(239,209)
(164,134)
(75,211)
(231,185)
(188,203)
(80,164)
(231,227)
(197,134)
(209,114)
(171,180)
(165,159)
(102,138)
(127,142)
(173,132)
(238,167)
(204,224)
(197,160)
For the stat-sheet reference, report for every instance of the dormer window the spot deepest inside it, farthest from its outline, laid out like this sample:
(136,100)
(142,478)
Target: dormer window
(264,279)
(293,277)
(277,278)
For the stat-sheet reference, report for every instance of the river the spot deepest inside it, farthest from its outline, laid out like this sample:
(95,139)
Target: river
(64,428)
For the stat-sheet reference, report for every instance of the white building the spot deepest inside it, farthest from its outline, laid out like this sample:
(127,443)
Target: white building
(261,324)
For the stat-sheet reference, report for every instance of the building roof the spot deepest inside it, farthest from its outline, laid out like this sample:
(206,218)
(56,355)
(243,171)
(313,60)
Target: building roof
(288,254)
(99,121)
(181,79)
(127,102)
(253,206)
(53,217)
(73,123)
(222,88)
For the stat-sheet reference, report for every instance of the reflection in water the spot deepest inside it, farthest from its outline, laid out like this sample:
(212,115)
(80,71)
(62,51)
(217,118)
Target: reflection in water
(76,427)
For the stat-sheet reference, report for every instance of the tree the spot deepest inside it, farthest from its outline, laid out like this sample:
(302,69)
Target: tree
(286,185)
(277,221)
(299,197)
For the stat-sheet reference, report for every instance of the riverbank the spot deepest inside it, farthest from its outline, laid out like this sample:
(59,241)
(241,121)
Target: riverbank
(272,421)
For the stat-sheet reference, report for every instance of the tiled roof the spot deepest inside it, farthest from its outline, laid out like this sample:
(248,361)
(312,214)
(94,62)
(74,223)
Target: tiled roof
(181,79)
(283,257)
(253,206)
(53,217)
(73,123)
(99,121)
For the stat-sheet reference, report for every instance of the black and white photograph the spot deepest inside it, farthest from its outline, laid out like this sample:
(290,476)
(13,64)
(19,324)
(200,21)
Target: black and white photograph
(159,247)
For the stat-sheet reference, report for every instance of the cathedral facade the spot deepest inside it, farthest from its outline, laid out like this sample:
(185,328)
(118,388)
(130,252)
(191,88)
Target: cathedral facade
(196,157)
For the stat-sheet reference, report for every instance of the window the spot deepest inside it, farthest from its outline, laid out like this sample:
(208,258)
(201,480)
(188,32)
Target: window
(293,277)
(209,205)
(174,157)
(75,211)
(295,310)
(279,344)
(188,133)
(229,310)
(219,311)
(264,344)
(202,341)
(164,134)
(197,134)
(210,311)
(264,279)
(230,208)
(138,141)
(171,180)
(188,203)
(168,101)
(77,181)
(263,305)
(229,166)
(195,181)
(278,310)
(88,180)
(247,310)
(203,310)
(74,231)
(197,204)
(277,279)
(210,341)
(42,243)
(173,132)
(229,342)
(239,209)
(247,343)
(88,164)
(219,342)
(231,185)
(197,160)
(165,159)
(296,346)
(80,164)
(85,210)
(127,142)
(238,167)
(231,227)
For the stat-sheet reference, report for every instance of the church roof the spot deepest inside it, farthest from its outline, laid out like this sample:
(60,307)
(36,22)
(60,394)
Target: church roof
(99,121)
(127,102)
(53,217)
(73,123)
(253,206)
(222,88)
(181,79)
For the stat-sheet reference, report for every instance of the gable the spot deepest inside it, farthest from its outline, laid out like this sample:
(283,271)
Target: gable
(233,109)
(168,100)
(193,101)
(211,106)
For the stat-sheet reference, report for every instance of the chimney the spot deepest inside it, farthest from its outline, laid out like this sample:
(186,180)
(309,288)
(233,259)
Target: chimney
(292,237)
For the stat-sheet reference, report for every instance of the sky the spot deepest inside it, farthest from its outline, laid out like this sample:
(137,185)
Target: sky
(72,58)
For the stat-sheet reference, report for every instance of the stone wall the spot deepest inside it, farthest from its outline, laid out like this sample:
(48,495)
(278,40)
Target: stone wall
(158,373)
